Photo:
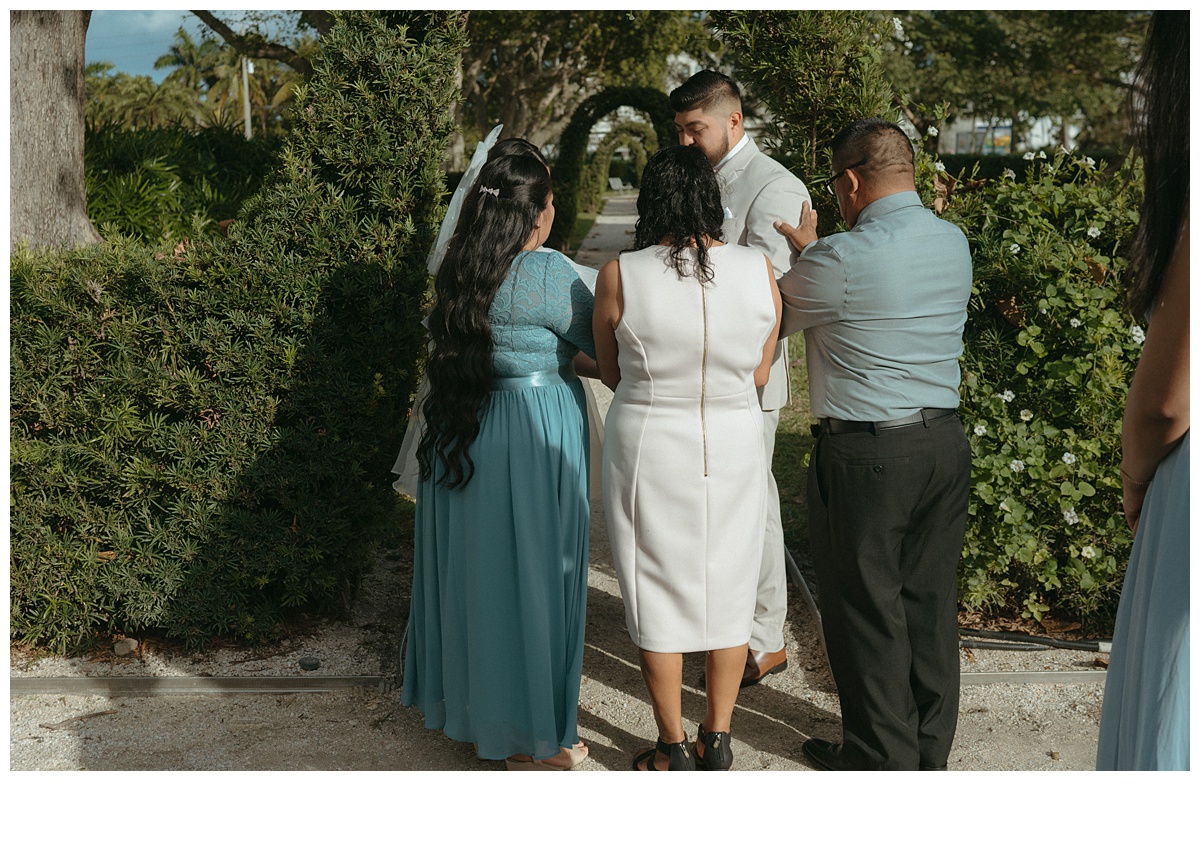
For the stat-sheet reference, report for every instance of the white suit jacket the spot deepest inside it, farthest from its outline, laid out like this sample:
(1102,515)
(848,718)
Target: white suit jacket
(757,191)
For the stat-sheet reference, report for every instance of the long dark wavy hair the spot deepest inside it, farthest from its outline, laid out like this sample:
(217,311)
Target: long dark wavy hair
(1160,106)
(680,204)
(498,217)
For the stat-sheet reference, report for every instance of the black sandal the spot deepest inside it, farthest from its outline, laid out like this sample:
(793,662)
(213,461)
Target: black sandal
(718,755)
(679,753)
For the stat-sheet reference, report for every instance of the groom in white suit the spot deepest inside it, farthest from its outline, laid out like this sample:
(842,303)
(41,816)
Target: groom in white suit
(757,192)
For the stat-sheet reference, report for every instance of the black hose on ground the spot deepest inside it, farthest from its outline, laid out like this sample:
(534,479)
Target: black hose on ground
(1005,647)
(1031,639)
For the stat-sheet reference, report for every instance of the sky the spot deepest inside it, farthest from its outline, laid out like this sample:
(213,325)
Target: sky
(133,40)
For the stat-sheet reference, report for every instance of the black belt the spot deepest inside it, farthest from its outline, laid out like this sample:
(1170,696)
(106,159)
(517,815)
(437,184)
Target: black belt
(921,417)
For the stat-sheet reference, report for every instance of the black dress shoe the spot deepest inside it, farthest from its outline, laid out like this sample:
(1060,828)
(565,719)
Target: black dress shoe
(826,755)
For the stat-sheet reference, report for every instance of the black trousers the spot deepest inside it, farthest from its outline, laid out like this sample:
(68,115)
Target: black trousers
(886,515)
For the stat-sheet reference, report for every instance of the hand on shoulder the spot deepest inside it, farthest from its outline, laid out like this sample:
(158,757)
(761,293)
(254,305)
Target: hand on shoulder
(805,232)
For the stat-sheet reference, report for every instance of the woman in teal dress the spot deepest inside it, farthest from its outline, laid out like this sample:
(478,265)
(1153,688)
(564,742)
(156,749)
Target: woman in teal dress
(1144,723)
(495,646)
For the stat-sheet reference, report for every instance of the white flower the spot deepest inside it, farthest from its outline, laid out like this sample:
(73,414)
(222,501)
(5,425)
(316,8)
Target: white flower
(1075,323)
(898,27)
(1005,507)
(1088,552)
(1068,458)
(939,165)
(1093,231)
(1042,154)
(1091,162)
(1029,156)
(980,429)
(1026,415)
(1016,465)
(1138,334)
(1014,248)
(1006,396)
(933,131)
(1070,516)
(1009,173)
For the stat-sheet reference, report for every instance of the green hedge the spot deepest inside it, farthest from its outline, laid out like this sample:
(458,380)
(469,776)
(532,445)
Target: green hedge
(593,181)
(994,166)
(200,442)
(159,184)
(569,164)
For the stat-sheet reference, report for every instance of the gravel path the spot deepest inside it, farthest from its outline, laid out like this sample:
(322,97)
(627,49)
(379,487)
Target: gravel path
(1002,727)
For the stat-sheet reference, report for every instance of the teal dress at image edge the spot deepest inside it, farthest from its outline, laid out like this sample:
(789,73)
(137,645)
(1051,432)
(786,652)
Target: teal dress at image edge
(1144,723)
(495,643)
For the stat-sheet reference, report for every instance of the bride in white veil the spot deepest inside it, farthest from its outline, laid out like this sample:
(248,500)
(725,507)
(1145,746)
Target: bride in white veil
(406,466)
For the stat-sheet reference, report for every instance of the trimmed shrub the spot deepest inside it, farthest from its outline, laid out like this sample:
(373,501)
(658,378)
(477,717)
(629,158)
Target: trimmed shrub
(167,183)
(1049,351)
(202,439)
(593,183)
(572,147)
(994,166)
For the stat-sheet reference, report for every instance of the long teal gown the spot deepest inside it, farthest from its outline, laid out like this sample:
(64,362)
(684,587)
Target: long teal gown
(495,642)
(1144,722)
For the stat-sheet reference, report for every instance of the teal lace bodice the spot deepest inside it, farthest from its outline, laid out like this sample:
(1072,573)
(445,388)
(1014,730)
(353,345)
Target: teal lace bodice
(541,316)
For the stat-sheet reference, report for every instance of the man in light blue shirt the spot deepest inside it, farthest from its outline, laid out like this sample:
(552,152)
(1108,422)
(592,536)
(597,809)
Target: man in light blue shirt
(882,307)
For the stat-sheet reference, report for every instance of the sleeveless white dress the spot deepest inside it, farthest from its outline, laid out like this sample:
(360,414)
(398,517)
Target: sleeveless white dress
(685,474)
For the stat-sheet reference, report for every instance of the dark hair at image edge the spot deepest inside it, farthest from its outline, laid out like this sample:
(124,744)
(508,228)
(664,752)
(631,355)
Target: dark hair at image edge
(1162,134)
(491,232)
(680,203)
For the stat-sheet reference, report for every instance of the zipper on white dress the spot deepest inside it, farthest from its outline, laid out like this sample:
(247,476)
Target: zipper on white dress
(704,375)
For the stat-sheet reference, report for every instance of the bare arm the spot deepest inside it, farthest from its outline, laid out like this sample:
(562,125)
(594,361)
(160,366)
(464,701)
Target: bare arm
(1157,409)
(605,319)
(586,366)
(763,372)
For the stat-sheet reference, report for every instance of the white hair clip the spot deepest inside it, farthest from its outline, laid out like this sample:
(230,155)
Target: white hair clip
(494,192)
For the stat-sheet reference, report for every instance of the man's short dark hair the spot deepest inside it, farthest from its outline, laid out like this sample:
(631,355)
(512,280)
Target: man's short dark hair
(874,142)
(703,91)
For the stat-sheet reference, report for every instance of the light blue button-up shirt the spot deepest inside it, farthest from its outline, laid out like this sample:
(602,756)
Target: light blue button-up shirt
(882,307)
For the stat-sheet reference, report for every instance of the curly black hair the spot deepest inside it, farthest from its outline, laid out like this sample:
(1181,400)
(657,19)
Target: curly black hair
(680,205)
(498,217)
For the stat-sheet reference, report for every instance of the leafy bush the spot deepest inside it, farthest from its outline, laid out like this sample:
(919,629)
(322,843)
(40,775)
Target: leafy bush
(1048,356)
(202,439)
(168,183)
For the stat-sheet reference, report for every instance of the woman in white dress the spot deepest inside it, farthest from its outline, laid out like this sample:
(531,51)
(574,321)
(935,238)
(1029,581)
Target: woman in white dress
(685,329)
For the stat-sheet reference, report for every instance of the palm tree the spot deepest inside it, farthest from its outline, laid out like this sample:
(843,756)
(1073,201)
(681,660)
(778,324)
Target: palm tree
(193,65)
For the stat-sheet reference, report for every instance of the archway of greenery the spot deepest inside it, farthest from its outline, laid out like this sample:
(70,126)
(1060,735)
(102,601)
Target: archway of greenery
(593,182)
(572,146)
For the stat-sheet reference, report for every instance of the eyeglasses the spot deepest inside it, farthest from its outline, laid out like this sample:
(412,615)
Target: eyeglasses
(829,182)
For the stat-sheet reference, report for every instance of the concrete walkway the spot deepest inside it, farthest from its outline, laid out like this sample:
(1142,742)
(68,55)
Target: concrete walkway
(611,234)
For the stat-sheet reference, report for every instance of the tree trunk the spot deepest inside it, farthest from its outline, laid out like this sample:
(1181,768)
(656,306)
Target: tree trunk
(47,196)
